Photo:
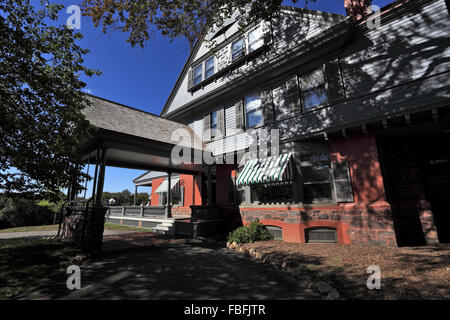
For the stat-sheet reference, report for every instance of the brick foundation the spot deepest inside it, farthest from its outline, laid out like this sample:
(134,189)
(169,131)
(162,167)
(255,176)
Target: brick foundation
(355,223)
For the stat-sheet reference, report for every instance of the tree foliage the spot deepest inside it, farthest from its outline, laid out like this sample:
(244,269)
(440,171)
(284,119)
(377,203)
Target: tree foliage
(126,198)
(188,19)
(40,99)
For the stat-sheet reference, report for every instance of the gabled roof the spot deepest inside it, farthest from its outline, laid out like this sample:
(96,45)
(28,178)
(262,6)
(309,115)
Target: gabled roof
(228,24)
(149,176)
(117,117)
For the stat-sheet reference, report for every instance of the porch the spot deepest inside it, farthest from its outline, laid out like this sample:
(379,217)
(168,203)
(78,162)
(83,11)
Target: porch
(125,137)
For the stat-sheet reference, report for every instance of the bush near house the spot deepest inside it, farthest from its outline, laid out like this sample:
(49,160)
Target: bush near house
(255,231)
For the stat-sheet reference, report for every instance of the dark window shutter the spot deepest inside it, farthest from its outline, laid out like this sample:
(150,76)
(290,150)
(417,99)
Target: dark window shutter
(240,116)
(190,78)
(341,180)
(207,127)
(220,122)
(292,94)
(335,85)
(267,104)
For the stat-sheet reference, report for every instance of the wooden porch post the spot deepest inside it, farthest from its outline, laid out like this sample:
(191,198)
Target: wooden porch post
(135,194)
(101,180)
(94,186)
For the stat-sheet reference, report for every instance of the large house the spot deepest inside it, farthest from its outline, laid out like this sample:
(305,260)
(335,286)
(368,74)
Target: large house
(351,115)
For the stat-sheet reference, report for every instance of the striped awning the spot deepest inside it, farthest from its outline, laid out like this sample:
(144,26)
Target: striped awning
(163,186)
(268,170)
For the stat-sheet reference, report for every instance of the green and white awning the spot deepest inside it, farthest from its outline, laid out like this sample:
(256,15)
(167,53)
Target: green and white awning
(268,170)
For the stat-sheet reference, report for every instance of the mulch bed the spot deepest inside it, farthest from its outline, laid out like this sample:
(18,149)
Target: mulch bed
(406,273)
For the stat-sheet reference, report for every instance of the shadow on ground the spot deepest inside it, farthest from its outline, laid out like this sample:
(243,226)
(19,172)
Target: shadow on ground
(154,267)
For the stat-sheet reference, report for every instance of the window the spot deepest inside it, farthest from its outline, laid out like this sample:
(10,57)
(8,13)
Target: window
(237,49)
(198,74)
(255,39)
(316,235)
(275,232)
(209,67)
(214,124)
(268,193)
(315,169)
(286,98)
(253,110)
(313,89)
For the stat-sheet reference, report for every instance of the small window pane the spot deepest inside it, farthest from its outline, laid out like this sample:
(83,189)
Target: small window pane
(198,74)
(254,118)
(312,80)
(255,39)
(316,173)
(252,102)
(237,49)
(272,193)
(214,117)
(314,97)
(209,67)
(253,110)
(317,191)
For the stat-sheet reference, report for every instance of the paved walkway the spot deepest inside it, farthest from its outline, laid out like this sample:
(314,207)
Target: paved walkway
(51,233)
(148,266)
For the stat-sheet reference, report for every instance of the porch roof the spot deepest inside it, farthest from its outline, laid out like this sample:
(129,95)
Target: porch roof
(133,138)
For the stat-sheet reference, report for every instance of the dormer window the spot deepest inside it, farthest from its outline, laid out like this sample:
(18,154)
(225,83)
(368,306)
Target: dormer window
(198,74)
(255,39)
(237,49)
(209,67)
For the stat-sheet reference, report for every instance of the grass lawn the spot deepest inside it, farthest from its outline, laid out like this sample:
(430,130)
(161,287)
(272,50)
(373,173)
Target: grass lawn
(25,263)
(108,226)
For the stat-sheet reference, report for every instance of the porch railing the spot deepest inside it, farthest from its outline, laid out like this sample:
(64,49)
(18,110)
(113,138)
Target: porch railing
(134,211)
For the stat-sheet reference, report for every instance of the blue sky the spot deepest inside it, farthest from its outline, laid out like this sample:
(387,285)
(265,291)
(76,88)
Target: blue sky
(143,78)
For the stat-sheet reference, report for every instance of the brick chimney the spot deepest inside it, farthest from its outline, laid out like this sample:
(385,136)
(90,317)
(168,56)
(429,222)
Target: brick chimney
(357,9)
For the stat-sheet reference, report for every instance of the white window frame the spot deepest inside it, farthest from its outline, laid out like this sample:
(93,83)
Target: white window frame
(201,74)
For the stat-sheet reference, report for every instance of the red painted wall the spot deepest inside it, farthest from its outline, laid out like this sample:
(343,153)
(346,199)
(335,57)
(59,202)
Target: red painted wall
(192,188)
(155,196)
(364,162)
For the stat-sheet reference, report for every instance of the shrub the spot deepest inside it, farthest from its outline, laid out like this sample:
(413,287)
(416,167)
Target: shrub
(18,212)
(255,231)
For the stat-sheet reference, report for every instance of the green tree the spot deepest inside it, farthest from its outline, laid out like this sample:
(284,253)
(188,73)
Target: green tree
(175,18)
(40,100)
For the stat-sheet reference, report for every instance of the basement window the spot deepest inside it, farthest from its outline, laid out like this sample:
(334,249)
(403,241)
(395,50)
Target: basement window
(321,235)
(275,232)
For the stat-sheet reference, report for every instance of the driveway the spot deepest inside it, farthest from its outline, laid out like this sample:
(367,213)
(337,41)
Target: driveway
(153,267)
